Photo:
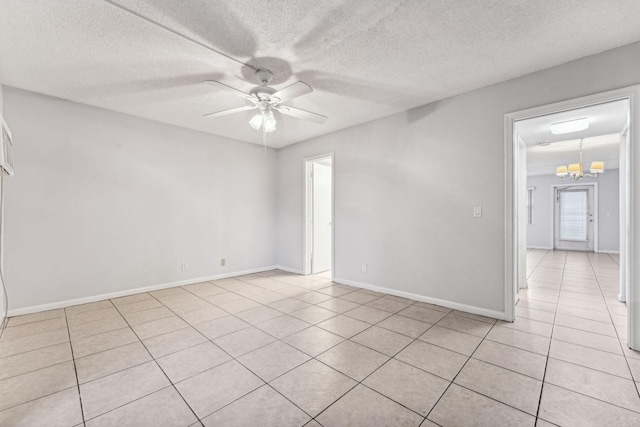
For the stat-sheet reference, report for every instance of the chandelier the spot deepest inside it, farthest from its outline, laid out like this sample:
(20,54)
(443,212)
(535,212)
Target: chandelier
(576,171)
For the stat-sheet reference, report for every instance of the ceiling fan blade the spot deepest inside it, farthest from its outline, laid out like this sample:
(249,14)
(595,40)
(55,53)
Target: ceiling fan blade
(292,91)
(301,114)
(220,85)
(231,111)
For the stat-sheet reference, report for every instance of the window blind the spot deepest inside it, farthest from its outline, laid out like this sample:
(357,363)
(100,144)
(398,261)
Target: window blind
(574,215)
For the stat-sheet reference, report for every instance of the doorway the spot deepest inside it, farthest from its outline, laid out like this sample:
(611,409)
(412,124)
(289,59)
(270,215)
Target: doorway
(575,216)
(319,215)
(629,194)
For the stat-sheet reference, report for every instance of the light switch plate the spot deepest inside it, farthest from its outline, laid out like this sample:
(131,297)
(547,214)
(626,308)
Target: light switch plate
(477,211)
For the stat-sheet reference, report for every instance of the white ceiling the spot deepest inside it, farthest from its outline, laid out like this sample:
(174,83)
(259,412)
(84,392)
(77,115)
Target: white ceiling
(365,59)
(601,140)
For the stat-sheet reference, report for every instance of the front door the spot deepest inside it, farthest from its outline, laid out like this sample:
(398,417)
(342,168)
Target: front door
(574,214)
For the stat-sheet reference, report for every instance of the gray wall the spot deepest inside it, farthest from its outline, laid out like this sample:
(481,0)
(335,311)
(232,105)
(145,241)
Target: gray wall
(405,185)
(104,202)
(539,234)
(3,302)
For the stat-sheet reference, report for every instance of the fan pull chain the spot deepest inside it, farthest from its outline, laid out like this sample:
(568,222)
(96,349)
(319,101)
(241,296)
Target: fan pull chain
(264,138)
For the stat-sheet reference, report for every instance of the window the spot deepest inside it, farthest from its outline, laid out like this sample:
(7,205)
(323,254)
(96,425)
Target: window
(529,205)
(574,215)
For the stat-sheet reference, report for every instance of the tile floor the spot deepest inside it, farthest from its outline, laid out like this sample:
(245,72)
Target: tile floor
(275,349)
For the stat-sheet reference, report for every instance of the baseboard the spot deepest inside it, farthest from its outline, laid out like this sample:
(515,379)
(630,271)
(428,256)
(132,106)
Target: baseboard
(540,247)
(444,303)
(289,269)
(599,251)
(85,300)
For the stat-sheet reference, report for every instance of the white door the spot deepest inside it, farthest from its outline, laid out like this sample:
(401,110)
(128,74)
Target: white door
(521,216)
(321,217)
(574,215)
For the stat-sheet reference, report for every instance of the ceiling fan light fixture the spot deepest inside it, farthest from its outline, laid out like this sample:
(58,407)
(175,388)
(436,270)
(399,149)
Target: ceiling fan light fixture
(569,126)
(256,121)
(269,122)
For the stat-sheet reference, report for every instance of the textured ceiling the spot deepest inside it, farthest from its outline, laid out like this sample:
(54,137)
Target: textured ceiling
(601,141)
(365,59)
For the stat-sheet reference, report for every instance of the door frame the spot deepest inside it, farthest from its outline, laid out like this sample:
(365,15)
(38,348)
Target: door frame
(307,240)
(630,253)
(554,188)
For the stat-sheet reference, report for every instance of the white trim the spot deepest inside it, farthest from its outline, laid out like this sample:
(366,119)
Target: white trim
(629,255)
(306,264)
(85,300)
(540,247)
(608,252)
(444,303)
(289,269)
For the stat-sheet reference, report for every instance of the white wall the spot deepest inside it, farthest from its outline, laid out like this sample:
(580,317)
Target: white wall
(103,202)
(405,186)
(3,302)
(540,233)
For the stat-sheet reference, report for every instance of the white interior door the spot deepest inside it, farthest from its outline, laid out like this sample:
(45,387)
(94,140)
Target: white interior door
(521,216)
(321,217)
(574,216)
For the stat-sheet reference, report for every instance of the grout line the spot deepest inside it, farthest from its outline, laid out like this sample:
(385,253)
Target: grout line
(75,369)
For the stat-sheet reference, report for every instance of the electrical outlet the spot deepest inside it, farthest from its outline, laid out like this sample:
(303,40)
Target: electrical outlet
(364,268)
(185,266)
(477,211)
(223,262)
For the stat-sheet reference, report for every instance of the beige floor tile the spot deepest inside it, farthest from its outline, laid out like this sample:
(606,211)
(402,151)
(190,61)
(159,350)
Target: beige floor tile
(314,314)
(338,305)
(182,309)
(313,340)
(353,360)
(411,387)
(204,289)
(360,297)
(283,326)
(145,304)
(609,388)
(243,341)
(528,325)
(204,314)
(388,305)
(96,327)
(268,297)
(451,340)
(213,329)
(567,408)
(426,305)
(162,408)
(363,407)
(33,328)
(273,360)
(405,325)
(171,342)
(462,407)
(32,342)
(289,305)
(583,313)
(368,314)
(96,343)
(590,358)
(262,407)
(61,409)
(107,393)
(35,317)
(512,358)
(131,299)
(99,365)
(88,307)
(137,317)
(192,361)
(538,305)
(579,303)
(472,316)
(33,360)
(33,385)
(505,386)
(439,361)
(335,290)
(586,325)
(344,326)
(523,340)
(382,340)
(92,316)
(158,327)
(422,314)
(313,386)
(314,297)
(634,366)
(258,314)
(239,305)
(587,339)
(217,387)
(223,298)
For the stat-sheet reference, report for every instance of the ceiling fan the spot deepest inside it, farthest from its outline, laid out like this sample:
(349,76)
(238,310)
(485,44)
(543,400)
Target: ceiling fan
(267,100)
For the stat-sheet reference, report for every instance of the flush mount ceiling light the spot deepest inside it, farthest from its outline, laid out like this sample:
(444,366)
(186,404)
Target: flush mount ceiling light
(569,126)
(576,171)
